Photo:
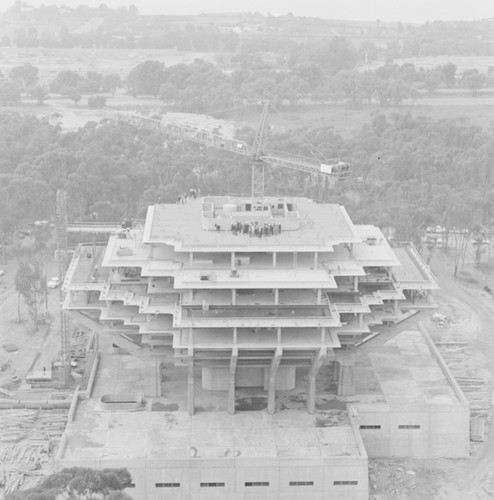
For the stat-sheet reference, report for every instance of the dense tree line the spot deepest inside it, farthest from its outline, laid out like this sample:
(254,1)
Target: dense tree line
(406,172)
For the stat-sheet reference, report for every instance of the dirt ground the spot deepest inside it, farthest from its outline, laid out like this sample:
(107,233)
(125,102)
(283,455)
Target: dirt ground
(35,349)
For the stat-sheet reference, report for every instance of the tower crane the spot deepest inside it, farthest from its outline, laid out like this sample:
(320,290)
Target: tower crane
(332,169)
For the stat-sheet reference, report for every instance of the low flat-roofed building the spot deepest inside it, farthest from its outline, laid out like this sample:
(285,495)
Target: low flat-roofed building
(408,403)
(249,455)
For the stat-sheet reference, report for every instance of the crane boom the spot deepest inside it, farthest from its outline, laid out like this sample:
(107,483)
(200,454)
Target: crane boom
(333,169)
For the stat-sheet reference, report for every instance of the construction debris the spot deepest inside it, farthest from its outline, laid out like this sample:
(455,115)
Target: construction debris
(28,441)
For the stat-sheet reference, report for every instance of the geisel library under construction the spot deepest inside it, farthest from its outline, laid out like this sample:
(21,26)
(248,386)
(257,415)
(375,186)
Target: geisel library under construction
(236,362)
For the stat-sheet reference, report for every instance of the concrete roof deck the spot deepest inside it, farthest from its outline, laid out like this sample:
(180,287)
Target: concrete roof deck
(374,250)
(413,270)
(174,435)
(86,262)
(401,371)
(321,226)
(163,430)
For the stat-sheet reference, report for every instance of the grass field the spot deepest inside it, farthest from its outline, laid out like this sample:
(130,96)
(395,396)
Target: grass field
(345,120)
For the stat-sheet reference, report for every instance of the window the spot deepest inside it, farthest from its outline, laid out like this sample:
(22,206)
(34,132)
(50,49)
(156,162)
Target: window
(257,483)
(212,485)
(131,485)
(370,426)
(167,485)
(345,483)
(301,483)
(409,427)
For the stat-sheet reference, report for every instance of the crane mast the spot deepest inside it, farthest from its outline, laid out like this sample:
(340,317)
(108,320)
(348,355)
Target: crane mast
(61,233)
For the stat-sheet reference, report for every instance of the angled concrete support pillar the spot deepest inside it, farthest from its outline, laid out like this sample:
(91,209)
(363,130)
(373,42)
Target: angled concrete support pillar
(190,381)
(346,365)
(231,381)
(275,363)
(314,369)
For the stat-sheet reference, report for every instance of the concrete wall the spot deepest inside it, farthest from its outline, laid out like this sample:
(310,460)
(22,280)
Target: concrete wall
(318,474)
(444,430)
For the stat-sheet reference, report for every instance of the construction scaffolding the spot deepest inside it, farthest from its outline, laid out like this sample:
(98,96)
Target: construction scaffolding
(63,364)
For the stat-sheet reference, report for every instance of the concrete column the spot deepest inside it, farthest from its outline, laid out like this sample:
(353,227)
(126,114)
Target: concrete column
(360,320)
(351,249)
(231,381)
(275,363)
(346,378)
(316,260)
(395,306)
(234,297)
(233,260)
(319,296)
(355,283)
(191,259)
(191,295)
(295,260)
(190,381)
(274,259)
(314,368)
(276,296)
(278,335)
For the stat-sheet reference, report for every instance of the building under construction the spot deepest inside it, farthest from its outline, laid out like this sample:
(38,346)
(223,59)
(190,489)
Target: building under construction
(236,328)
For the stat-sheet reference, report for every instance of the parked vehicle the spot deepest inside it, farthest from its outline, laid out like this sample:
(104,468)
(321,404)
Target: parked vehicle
(54,282)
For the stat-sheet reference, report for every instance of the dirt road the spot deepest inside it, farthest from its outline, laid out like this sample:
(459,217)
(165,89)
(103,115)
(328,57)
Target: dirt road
(473,480)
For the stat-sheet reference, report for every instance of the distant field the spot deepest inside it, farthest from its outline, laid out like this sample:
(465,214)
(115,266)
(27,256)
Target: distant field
(105,61)
(345,120)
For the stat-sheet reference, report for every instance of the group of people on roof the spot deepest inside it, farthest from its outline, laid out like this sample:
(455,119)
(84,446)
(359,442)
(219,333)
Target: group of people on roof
(255,229)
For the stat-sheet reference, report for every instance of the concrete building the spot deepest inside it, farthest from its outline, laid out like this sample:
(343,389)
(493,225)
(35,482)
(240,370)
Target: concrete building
(226,308)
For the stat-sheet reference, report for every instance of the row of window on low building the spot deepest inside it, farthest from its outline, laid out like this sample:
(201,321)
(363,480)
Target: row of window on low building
(257,483)
(399,427)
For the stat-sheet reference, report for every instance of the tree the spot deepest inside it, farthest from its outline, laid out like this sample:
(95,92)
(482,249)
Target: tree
(146,78)
(39,92)
(71,93)
(111,82)
(10,92)
(65,79)
(432,79)
(96,102)
(448,72)
(80,483)
(30,283)
(27,74)
(473,80)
